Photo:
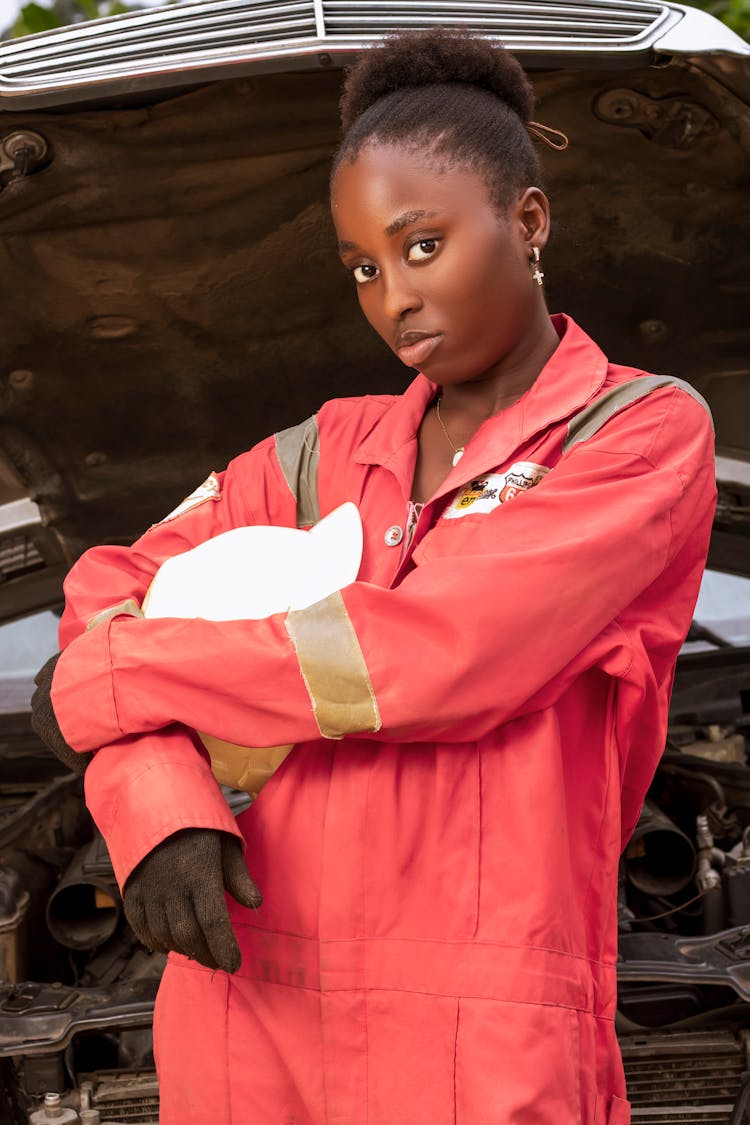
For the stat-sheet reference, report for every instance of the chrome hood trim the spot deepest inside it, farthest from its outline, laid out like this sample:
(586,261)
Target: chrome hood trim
(168,47)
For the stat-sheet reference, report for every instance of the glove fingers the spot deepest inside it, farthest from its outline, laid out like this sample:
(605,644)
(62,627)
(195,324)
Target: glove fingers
(177,901)
(199,951)
(157,926)
(237,878)
(188,936)
(219,935)
(164,931)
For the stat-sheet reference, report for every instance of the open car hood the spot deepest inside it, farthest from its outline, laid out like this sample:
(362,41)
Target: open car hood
(170,288)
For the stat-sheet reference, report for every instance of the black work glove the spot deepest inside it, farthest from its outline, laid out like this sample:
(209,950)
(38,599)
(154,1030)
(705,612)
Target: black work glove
(45,724)
(174,898)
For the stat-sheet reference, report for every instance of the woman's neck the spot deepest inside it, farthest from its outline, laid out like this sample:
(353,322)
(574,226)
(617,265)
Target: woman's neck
(476,400)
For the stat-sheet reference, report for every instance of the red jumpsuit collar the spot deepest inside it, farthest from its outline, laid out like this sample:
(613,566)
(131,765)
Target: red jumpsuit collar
(571,377)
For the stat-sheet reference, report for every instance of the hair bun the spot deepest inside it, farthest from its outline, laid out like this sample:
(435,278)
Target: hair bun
(435,57)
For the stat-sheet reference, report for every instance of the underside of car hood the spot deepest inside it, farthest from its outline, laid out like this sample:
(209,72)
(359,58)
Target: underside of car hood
(171,292)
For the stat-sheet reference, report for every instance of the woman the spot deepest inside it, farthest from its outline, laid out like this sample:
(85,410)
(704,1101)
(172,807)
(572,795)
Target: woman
(476,718)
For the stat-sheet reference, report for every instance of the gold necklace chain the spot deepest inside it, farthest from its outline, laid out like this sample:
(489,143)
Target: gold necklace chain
(457,452)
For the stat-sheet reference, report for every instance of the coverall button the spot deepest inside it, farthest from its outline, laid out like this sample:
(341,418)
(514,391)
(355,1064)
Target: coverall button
(393,536)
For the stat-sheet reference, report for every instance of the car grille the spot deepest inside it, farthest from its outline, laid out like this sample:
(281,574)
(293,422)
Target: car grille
(18,555)
(127,1097)
(691,1077)
(510,21)
(253,35)
(142,1112)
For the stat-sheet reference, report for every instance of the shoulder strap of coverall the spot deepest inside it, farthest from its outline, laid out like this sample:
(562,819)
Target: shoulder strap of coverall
(298,451)
(298,448)
(591,419)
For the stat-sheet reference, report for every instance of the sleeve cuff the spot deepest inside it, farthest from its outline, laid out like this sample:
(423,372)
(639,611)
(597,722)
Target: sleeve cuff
(143,789)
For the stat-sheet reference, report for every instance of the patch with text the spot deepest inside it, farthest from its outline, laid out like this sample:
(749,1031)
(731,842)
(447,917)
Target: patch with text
(487,493)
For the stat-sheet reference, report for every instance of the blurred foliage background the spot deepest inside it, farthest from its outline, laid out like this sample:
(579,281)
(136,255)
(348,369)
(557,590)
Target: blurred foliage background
(734,13)
(35,17)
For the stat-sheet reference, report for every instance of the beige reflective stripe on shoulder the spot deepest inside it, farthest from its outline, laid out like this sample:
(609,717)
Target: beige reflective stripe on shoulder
(298,451)
(128,608)
(593,417)
(333,668)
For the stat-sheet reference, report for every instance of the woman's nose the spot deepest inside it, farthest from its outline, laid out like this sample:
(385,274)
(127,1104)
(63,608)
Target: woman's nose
(400,297)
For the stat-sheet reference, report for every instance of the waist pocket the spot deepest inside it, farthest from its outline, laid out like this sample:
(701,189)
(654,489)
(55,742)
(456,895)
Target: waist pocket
(517,1062)
(611,1110)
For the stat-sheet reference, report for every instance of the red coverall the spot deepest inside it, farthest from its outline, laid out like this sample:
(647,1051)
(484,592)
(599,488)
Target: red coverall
(477,720)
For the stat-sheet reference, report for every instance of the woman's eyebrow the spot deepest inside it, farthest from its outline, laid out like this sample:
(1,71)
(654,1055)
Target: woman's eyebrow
(403,220)
(407,218)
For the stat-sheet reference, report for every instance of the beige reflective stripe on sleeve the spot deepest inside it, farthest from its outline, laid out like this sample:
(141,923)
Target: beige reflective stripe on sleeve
(129,608)
(592,418)
(333,668)
(298,451)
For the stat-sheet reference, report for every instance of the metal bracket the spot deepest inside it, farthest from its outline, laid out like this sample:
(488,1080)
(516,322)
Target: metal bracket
(21,153)
(722,958)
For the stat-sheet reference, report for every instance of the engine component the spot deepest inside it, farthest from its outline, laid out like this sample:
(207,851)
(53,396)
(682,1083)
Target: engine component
(42,1073)
(85,908)
(708,879)
(53,1112)
(124,1096)
(720,745)
(737,883)
(659,860)
(42,822)
(42,1018)
(88,1115)
(14,905)
(41,813)
(723,958)
(684,1077)
(641,1007)
(625,915)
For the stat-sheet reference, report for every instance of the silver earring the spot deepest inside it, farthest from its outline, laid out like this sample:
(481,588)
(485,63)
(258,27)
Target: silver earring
(536,271)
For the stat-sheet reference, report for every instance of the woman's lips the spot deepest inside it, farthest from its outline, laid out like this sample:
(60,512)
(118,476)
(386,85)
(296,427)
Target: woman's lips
(414,355)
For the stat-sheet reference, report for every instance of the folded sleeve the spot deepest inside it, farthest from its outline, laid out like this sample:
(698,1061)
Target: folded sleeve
(494,612)
(142,788)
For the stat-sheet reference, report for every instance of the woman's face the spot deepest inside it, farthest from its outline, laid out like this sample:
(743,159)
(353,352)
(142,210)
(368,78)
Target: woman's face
(441,275)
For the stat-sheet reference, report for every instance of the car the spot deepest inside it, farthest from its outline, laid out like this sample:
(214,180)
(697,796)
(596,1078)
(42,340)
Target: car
(163,193)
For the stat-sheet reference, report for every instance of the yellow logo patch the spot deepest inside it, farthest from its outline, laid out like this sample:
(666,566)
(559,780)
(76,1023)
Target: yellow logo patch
(487,493)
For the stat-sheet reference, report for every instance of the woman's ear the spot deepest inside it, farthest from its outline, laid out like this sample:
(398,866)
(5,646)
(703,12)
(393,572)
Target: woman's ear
(533,217)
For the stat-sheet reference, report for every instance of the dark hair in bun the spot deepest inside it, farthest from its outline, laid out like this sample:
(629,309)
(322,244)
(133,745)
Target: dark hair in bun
(448,94)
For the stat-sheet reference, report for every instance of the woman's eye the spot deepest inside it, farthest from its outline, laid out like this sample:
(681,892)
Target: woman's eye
(423,249)
(364,273)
